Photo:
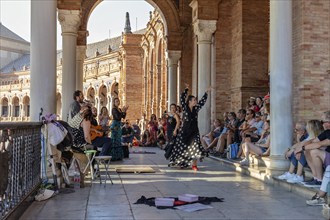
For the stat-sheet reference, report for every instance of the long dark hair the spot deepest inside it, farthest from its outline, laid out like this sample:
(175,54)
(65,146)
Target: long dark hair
(190,97)
(114,106)
(88,114)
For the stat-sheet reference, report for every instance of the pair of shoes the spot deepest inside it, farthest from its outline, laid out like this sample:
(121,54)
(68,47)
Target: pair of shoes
(195,168)
(244,162)
(314,183)
(286,176)
(316,200)
(295,179)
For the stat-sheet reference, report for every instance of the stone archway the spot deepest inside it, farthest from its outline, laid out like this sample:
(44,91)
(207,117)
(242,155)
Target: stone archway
(168,10)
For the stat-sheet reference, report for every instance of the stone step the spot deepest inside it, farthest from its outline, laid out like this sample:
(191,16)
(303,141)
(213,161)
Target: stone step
(258,171)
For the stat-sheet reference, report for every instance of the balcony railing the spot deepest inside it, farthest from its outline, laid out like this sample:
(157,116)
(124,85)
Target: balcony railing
(20,158)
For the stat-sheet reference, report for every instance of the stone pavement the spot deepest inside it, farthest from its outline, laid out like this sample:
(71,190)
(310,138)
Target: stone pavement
(245,197)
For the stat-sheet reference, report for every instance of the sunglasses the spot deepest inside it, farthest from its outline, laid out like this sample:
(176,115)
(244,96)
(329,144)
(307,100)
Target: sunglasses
(323,122)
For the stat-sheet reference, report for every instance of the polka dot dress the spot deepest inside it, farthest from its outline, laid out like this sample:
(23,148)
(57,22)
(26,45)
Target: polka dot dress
(187,145)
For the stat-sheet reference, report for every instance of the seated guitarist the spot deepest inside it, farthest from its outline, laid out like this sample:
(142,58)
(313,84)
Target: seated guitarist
(81,124)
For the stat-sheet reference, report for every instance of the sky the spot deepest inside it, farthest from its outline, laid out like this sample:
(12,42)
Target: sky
(107,19)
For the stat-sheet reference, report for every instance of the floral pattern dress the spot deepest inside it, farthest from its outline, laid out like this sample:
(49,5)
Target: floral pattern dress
(187,145)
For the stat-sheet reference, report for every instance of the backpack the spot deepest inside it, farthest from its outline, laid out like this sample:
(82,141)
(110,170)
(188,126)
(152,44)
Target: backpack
(232,151)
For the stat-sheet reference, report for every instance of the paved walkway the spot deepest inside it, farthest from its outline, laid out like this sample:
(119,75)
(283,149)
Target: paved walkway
(245,197)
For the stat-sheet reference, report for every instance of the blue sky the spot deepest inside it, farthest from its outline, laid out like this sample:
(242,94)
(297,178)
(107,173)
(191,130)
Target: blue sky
(108,18)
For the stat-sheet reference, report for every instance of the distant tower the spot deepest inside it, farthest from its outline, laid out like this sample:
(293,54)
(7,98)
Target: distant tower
(127,29)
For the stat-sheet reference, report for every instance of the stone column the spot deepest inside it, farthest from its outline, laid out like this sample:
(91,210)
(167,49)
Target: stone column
(194,67)
(159,89)
(70,21)
(81,54)
(280,83)
(213,80)
(204,30)
(43,58)
(173,57)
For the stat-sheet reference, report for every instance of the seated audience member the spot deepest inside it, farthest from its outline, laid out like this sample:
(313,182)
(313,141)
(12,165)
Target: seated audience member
(303,133)
(252,105)
(94,112)
(256,129)
(161,138)
(247,124)
(319,157)
(259,103)
(127,134)
(146,139)
(317,152)
(266,102)
(81,127)
(227,136)
(260,148)
(136,129)
(211,139)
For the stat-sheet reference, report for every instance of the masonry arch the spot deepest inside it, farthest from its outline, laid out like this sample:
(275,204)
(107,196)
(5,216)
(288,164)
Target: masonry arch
(103,91)
(16,106)
(91,95)
(26,106)
(4,107)
(167,9)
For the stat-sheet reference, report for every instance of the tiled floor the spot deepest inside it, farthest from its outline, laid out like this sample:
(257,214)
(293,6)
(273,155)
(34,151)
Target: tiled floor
(245,197)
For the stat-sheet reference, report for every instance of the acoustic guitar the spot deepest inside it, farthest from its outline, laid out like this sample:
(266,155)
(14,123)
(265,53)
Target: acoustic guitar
(96,131)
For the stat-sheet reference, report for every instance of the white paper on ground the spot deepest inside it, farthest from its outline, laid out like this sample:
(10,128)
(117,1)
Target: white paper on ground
(193,207)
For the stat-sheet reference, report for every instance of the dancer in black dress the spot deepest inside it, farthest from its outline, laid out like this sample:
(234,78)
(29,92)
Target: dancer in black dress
(187,146)
(173,123)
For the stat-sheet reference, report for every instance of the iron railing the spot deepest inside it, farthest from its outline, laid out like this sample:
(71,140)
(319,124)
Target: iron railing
(20,158)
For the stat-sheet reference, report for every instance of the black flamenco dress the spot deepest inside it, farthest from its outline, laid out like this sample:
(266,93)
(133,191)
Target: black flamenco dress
(187,145)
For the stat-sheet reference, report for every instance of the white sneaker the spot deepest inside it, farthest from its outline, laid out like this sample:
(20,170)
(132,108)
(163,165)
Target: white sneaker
(296,179)
(244,162)
(286,176)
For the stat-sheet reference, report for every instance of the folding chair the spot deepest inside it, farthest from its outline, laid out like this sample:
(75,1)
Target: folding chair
(103,160)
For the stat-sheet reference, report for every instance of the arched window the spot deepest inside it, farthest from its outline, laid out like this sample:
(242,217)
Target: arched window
(4,110)
(26,106)
(15,106)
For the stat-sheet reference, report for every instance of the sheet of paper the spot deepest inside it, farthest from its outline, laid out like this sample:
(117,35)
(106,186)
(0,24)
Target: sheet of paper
(193,207)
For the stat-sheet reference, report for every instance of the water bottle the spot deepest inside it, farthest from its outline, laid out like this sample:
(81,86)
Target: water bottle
(76,180)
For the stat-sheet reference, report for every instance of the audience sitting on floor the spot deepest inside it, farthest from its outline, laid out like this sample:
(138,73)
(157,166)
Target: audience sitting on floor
(137,130)
(260,148)
(227,135)
(303,133)
(161,137)
(318,149)
(256,128)
(127,134)
(210,139)
(317,152)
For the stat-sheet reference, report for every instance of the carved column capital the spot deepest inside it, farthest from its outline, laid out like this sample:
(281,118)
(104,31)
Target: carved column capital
(70,21)
(173,57)
(204,30)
